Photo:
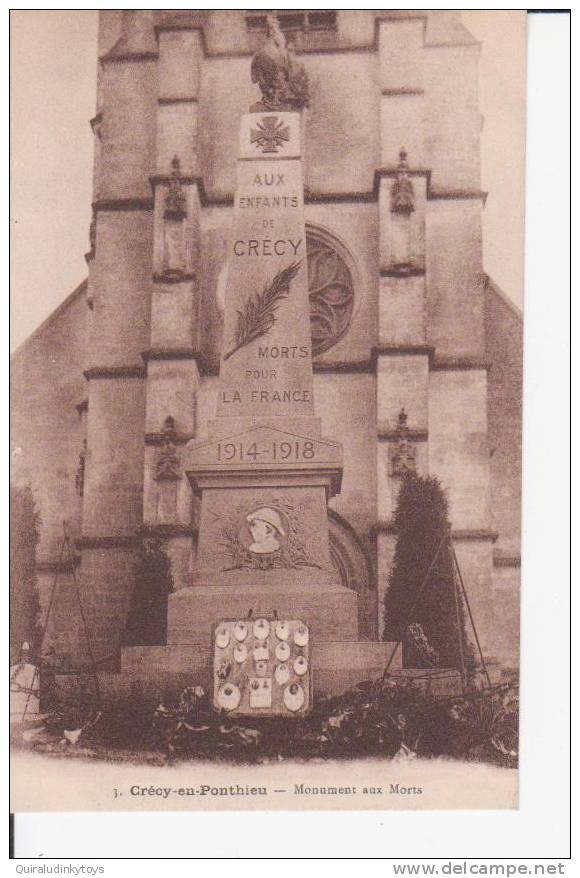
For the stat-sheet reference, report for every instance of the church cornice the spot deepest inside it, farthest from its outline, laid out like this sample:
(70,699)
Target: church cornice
(436,363)
(96,121)
(123,204)
(175,278)
(171,354)
(208,199)
(386,435)
(402,350)
(459,364)
(475,535)
(115,372)
(404,271)
(460,535)
(116,56)
(121,541)
(182,353)
(311,197)
(46,566)
(156,439)
(178,99)
(193,24)
(364,366)
(457,195)
(402,92)
(503,559)
(341,367)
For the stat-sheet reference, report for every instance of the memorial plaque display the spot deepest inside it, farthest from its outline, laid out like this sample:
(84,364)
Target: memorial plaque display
(261,667)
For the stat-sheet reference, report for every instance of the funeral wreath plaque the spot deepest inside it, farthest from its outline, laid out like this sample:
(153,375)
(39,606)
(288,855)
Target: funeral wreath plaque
(261,667)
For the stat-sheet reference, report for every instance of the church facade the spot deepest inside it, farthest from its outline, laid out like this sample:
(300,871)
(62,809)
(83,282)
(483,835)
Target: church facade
(417,355)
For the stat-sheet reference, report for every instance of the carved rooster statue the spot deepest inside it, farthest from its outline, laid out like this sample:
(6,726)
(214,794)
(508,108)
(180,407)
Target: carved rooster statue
(281,78)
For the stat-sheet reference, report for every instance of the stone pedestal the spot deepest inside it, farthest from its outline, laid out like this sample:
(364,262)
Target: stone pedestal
(330,611)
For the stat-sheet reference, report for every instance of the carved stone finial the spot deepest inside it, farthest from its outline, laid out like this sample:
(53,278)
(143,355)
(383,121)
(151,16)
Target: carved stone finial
(175,200)
(168,464)
(281,77)
(402,193)
(402,452)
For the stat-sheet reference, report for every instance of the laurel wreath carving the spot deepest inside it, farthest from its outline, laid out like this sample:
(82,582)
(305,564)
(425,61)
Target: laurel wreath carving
(259,313)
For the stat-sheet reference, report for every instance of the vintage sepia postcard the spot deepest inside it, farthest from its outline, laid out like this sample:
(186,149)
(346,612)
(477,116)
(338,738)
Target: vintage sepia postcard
(265,539)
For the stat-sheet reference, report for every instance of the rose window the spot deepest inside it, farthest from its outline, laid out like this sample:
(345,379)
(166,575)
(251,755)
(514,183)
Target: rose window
(331,292)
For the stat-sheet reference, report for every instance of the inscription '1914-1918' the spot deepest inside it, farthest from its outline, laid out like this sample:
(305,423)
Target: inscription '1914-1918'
(299,449)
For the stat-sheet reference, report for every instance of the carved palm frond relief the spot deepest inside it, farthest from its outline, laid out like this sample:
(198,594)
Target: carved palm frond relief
(258,315)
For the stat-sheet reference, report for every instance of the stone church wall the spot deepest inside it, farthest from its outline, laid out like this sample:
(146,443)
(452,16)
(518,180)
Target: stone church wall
(455,303)
(121,288)
(128,130)
(48,423)
(504,340)
(504,347)
(47,429)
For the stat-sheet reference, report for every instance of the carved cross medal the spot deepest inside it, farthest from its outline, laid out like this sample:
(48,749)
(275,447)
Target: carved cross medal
(270,134)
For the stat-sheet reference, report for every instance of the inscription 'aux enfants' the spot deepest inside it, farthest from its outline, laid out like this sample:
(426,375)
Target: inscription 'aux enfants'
(267,202)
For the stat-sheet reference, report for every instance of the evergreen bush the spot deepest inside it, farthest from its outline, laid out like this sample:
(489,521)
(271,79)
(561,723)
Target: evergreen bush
(147,618)
(24,601)
(427,625)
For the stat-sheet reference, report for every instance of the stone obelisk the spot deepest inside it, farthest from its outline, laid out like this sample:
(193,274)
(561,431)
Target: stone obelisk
(265,473)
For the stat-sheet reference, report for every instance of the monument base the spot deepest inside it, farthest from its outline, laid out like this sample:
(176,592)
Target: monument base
(330,611)
(162,672)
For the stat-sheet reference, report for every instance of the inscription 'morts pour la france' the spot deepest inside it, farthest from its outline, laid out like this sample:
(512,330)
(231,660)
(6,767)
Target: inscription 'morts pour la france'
(266,366)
